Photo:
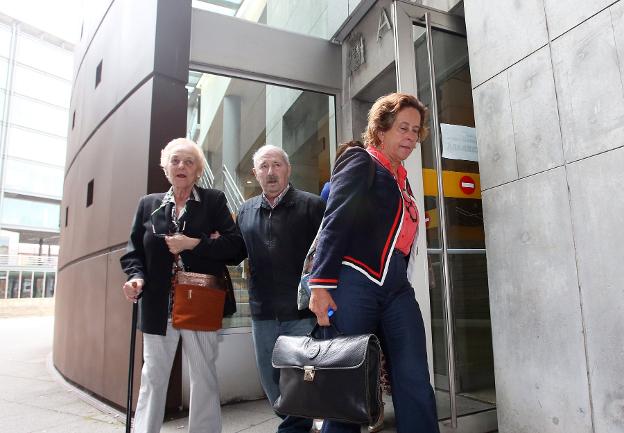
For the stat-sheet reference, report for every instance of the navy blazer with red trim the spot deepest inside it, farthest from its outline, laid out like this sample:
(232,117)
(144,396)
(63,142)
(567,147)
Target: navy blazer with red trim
(362,221)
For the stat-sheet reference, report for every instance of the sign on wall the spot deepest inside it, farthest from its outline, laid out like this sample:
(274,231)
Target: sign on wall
(459,142)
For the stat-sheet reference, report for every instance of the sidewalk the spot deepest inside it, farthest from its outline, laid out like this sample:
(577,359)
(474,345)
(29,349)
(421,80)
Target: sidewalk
(35,399)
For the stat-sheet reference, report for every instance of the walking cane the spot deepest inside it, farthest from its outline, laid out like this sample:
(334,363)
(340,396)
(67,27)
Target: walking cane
(135,310)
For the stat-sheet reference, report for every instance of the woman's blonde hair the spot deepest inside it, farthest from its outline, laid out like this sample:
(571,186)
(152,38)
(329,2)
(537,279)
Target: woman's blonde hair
(200,159)
(384,111)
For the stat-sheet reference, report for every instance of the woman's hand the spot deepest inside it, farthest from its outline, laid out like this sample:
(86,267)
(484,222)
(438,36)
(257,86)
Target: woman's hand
(320,302)
(132,289)
(179,242)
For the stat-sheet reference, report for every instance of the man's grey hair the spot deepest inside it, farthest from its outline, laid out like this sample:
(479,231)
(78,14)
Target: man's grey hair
(266,148)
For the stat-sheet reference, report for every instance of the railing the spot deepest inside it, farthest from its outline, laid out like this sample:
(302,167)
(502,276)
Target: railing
(207,178)
(28,261)
(232,193)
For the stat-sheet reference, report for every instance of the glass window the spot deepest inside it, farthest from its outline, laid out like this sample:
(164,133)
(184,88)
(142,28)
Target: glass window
(38,284)
(4,70)
(13,287)
(39,85)
(50,282)
(33,178)
(39,116)
(231,118)
(26,213)
(44,56)
(26,289)
(319,18)
(5,41)
(3,284)
(36,146)
(473,334)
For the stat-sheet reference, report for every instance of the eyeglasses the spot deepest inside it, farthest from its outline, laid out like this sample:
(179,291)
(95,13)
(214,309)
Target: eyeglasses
(174,226)
(410,205)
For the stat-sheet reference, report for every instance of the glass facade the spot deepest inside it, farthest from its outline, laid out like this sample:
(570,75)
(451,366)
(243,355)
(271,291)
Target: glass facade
(231,118)
(35,89)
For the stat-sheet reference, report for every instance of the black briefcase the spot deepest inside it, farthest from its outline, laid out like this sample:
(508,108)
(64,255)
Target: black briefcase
(336,379)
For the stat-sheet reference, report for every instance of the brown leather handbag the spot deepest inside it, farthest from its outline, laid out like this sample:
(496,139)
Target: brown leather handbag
(198,301)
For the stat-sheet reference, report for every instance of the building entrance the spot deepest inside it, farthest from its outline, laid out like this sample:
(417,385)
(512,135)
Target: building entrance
(432,58)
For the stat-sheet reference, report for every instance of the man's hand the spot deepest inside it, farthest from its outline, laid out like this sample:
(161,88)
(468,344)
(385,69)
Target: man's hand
(132,289)
(320,302)
(179,242)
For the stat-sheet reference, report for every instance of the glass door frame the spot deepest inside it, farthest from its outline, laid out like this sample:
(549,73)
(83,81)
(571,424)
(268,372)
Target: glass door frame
(405,16)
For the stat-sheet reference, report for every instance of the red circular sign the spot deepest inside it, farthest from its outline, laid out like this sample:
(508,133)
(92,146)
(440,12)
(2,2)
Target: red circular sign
(467,185)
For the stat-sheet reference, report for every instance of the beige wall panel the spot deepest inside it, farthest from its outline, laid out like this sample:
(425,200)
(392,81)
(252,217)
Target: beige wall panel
(91,20)
(95,162)
(76,105)
(117,337)
(125,45)
(129,145)
(62,318)
(83,326)
(70,201)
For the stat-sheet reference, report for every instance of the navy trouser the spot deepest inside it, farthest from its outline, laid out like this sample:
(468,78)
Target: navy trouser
(391,312)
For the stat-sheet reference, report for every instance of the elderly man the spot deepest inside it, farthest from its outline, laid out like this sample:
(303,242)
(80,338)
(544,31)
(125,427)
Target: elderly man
(278,227)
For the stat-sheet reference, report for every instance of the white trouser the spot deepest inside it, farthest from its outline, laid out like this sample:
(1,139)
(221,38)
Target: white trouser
(158,353)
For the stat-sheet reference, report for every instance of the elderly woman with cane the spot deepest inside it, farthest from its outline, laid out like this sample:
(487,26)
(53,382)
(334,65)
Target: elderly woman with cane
(360,266)
(187,228)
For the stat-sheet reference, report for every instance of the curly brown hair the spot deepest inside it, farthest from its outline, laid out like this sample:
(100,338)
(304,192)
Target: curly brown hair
(384,111)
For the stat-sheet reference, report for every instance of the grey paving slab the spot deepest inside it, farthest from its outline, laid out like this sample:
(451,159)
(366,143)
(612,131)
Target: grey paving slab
(597,208)
(495,136)
(563,15)
(589,88)
(500,36)
(535,307)
(537,134)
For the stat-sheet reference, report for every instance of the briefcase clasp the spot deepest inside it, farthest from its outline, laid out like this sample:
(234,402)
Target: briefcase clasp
(308,373)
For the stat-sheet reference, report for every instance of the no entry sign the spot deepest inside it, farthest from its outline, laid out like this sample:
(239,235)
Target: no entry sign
(467,185)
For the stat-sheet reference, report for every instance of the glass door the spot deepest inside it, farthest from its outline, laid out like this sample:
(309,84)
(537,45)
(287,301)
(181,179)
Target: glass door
(434,66)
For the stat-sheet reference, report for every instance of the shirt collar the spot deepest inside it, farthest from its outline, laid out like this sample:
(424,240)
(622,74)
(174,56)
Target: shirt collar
(169,198)
(385,162)
(277,199)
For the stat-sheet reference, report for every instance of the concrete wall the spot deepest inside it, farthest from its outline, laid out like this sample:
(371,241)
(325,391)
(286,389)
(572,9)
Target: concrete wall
(548,93)
(120,126)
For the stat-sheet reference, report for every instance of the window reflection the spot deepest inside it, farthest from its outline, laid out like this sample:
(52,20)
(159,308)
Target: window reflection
(319,18)
(45,57)
(28,213)
(33,178)
(231,118)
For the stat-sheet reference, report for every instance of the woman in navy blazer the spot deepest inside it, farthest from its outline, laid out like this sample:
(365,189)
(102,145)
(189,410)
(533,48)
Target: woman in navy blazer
(360,265)
(195,225)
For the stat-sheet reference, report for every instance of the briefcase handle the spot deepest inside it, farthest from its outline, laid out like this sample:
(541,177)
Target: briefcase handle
(314,333)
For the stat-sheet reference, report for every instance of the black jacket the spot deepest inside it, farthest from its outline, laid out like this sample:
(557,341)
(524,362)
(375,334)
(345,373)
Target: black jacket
(277,242)
(148,257)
